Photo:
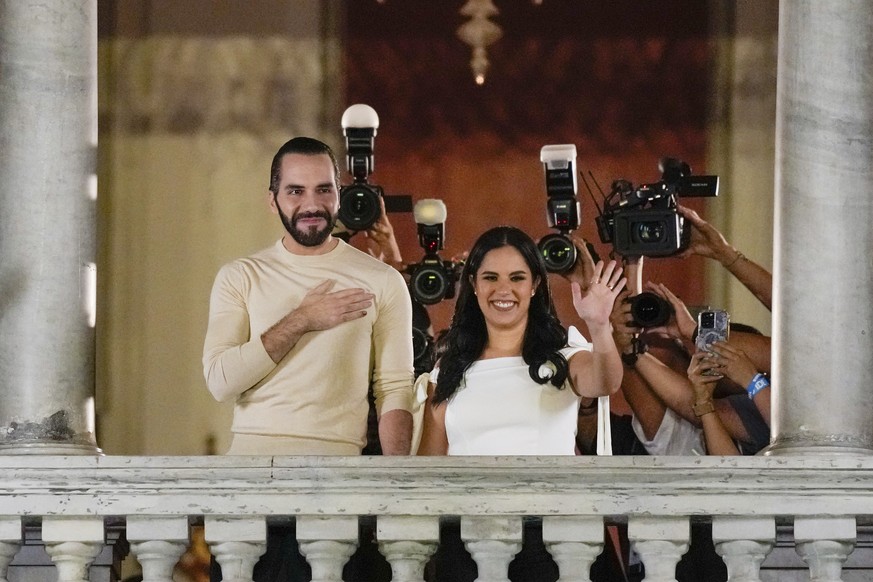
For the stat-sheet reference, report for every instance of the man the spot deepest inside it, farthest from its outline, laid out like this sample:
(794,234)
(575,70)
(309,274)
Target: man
(298,331)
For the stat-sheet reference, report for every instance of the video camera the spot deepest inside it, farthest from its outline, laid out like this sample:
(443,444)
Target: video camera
(359,206)
(432,279)
(559,162)
(644,221)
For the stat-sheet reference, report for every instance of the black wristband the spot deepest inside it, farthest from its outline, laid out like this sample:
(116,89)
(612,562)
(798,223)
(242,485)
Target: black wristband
(629,360)
(638,347)
(694,335)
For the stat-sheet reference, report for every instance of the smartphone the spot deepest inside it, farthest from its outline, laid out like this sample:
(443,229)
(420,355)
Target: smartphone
(713,325)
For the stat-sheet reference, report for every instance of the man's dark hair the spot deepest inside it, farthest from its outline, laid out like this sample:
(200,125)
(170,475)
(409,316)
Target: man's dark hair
(300,145)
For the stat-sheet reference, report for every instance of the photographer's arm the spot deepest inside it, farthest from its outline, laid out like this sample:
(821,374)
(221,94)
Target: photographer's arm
(681,325)
(673,388)
(647,407)
(645,404)
(677,392)
(736,365)
(707,241)
(384,244)
(718,439)
(755,346)
(583,269)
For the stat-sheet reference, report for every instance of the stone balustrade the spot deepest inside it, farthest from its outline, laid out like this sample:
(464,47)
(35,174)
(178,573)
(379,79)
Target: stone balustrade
(824,501)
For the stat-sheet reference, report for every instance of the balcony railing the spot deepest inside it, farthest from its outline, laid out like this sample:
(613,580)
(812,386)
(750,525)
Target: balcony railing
(825,502)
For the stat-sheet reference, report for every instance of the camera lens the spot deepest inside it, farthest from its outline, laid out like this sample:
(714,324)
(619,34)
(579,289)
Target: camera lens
(650,231)
(359,207)
(419,343)
(707,319)
(429,285)
(649,310)
(558,252)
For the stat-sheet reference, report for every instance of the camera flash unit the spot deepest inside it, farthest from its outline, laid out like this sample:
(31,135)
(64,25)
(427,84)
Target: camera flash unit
(560,161)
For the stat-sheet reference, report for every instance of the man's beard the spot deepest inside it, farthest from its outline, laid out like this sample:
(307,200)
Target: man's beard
(312,237)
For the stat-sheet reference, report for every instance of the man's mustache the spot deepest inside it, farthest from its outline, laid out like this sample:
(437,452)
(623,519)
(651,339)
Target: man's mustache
(302,215)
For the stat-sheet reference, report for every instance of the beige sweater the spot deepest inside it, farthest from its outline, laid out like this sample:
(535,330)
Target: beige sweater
(316,397)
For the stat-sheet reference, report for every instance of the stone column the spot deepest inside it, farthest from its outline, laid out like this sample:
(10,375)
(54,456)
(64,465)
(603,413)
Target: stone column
(823,272)
(48,139)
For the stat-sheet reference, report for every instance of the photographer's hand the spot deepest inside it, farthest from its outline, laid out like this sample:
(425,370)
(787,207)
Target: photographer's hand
(706,240)
(734,362)
(583,269)
(703,380)
(704,372)
(621,319)
(384,244)
(681,324)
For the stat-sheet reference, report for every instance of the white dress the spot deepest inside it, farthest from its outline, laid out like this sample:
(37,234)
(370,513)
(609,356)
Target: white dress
(500,410)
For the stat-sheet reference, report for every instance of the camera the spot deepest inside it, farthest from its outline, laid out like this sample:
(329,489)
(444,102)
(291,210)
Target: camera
(432,279)
(649,309)
(643,220)
(422,339)
(559,162)
(359,206)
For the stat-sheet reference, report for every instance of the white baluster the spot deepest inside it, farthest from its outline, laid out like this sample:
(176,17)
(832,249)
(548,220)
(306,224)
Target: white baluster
(10,542)
(574,543)
(72,543)
(493,542)
(157,543)
(407,542)
(743,543)
(824,543)
(236,543)
(327,543)
(660,542)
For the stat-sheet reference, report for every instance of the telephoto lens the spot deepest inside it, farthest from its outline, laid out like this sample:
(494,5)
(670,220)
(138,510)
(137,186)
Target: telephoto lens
(649,309)
(559,253)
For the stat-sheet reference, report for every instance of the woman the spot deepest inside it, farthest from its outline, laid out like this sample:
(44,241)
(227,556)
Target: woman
(506,381)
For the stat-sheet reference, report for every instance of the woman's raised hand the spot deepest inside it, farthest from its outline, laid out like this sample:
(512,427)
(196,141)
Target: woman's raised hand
(595,305)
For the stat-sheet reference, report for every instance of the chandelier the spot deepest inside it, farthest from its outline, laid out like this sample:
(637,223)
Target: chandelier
(479,32)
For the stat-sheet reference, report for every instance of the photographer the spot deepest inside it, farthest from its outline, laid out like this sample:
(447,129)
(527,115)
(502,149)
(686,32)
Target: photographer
(708,242)
(704,375)
(671,386)
(745,358)
(380,240)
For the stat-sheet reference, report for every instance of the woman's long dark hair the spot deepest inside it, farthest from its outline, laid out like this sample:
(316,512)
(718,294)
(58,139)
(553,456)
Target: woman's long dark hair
(467,335)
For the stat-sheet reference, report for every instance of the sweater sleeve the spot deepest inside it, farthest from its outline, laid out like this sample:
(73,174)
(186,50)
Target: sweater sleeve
(233,361)
(392,347)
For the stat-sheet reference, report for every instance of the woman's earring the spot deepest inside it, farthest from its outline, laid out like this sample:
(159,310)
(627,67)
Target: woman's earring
(534,292)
